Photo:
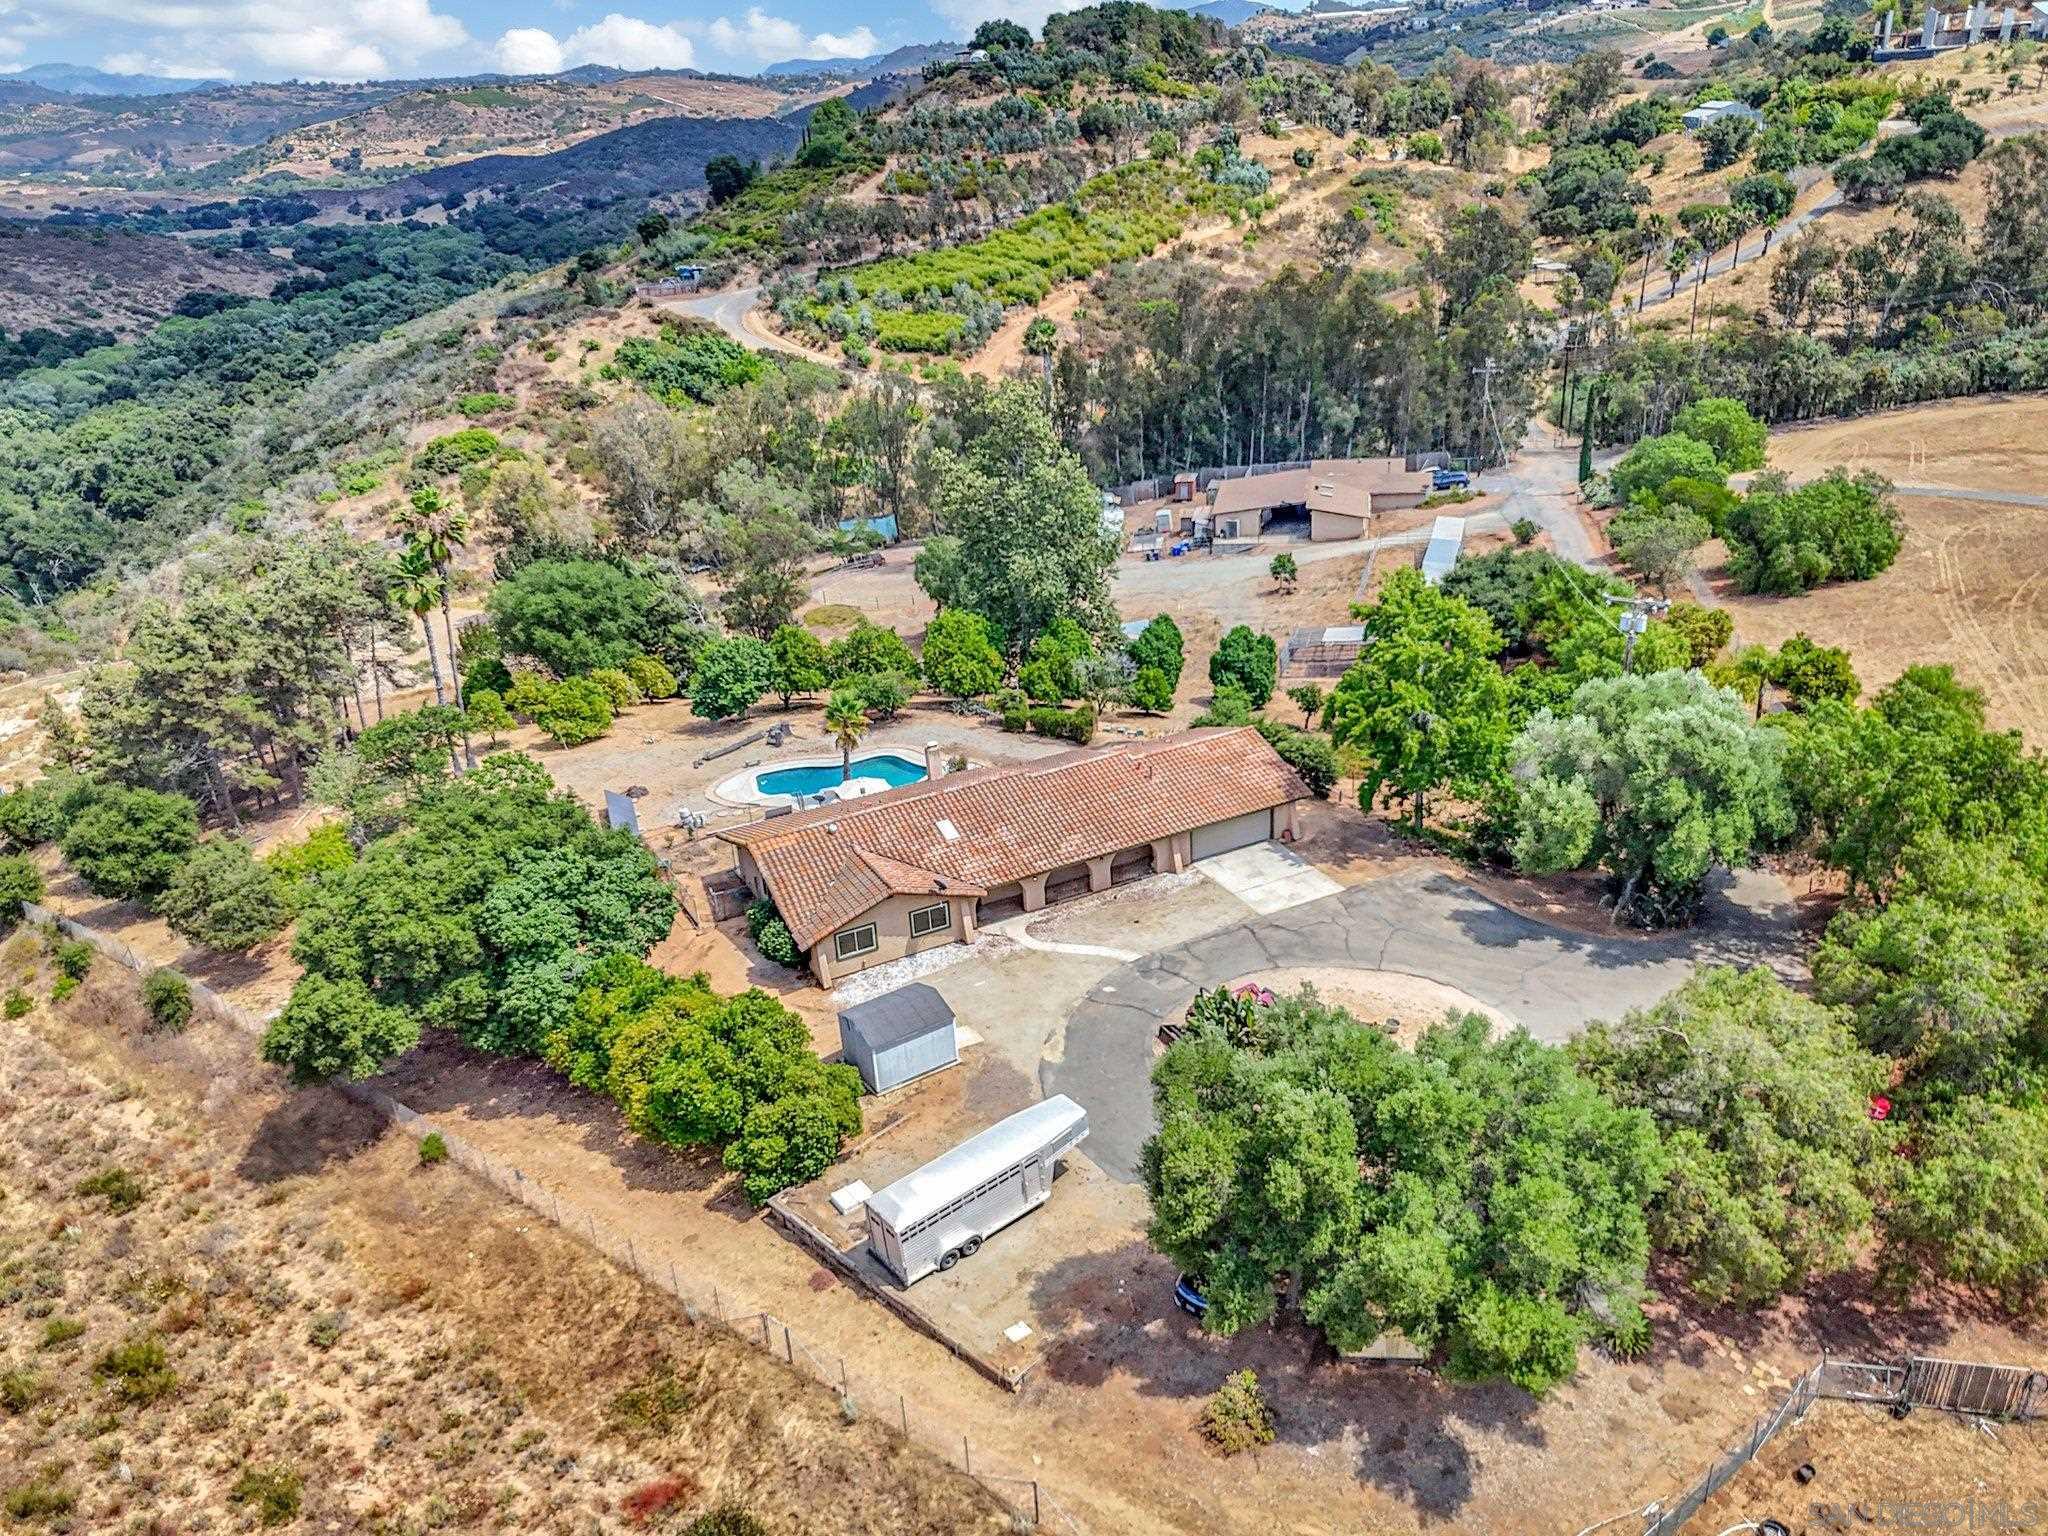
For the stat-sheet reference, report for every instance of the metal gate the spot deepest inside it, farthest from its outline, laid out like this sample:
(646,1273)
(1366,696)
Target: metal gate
(1996,1391)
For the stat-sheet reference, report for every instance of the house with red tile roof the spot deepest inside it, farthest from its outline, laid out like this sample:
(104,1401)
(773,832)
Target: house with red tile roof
(870,880)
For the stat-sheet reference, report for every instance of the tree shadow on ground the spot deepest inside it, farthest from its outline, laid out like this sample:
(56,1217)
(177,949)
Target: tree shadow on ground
(1728,931)
(1413,1434)
(443,1075)
(1845,1316)
(307,1132)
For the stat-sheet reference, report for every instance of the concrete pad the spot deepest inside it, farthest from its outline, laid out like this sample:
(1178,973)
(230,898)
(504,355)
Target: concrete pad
(1268,877)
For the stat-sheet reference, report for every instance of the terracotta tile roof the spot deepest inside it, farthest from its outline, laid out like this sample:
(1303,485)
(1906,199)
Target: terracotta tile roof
(828,865)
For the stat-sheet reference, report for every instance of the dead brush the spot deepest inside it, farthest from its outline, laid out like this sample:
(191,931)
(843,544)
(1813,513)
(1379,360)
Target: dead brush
(657,1497)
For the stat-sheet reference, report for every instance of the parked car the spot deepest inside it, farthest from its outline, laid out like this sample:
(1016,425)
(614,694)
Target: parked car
(1187,1295)
(1442,479)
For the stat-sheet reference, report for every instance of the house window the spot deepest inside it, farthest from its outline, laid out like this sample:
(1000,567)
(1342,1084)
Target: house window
(929,920)
(854,941)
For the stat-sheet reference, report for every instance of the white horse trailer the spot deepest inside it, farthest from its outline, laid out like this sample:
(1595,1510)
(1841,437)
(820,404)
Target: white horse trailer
(939,1215)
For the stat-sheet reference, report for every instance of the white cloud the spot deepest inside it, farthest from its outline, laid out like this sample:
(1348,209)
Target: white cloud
(757,36)
(624,41)
(629,43)
(857,44)
(528,51)
(314,39)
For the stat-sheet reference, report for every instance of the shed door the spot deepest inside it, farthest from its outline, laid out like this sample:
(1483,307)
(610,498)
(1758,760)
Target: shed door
(1238,832)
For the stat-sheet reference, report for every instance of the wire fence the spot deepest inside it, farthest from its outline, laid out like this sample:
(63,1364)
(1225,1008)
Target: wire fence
(1952,1386)
(704,1303)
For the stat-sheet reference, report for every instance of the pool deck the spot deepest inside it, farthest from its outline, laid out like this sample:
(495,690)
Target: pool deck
(743,788)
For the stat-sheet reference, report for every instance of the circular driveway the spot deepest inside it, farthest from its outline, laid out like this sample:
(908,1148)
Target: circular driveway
(1552,981)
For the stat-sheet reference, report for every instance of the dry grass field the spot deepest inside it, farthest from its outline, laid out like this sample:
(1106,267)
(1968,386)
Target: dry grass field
(224,1305)
(1971,584)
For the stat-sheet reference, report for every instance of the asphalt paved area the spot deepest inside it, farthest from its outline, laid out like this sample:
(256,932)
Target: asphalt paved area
(1552,981)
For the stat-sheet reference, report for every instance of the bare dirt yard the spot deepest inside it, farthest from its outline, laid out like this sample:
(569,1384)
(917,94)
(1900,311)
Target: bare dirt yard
(1928,1471)
(225,1304)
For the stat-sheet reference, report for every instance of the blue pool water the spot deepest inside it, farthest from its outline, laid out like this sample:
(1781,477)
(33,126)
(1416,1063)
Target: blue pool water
(886,766)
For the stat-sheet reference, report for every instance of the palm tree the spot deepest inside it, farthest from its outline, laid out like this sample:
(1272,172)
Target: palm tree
(847,722)
(1654,231)
(433,523)
(419,588)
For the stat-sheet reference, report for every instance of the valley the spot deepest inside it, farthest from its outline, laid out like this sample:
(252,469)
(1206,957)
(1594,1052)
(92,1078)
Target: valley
(1187,769)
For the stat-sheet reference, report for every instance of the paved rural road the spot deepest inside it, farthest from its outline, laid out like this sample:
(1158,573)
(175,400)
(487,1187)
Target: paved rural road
(1550,980)
(728,311)
(1957,493)
(1541,484)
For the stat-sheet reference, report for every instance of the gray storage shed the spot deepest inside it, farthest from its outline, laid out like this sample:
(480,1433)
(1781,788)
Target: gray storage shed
(899,1037)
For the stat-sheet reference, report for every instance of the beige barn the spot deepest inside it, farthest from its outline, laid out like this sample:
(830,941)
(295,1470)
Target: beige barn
(1339,497)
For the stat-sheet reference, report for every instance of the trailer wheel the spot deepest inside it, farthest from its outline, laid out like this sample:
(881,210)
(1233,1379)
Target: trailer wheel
(969,1248)
(950,1258)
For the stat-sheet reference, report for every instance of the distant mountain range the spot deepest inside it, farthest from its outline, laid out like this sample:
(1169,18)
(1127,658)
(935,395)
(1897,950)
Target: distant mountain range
(912,56)
(83,80)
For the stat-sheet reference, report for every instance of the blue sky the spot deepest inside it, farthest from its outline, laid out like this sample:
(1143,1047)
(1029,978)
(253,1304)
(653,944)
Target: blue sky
(383,39)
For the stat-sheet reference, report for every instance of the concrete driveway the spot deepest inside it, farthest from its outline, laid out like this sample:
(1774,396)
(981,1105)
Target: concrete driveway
(1552,981)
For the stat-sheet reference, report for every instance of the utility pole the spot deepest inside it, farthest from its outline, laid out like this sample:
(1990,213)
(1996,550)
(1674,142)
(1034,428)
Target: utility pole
(1487,417)
(1635,618)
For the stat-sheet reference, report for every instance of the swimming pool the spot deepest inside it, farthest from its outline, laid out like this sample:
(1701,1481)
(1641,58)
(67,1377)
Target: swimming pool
(809,778)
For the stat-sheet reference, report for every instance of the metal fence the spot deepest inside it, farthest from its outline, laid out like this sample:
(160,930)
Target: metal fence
(1667,1518)
(1952,1386)
(704,1304)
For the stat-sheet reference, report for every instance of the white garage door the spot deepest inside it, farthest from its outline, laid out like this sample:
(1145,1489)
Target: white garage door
(1238,832)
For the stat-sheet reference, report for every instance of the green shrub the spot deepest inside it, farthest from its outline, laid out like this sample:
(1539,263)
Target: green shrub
(651,676)
(65,986)
(326,1330)
(59,1331)
(771,934)
(224,899)
(433,1149)
(168,997)
(20,1390)
(1015,711)
(129,844)
(325,851)
(682,365)
(457,450)
(484,403)
(20,881)
(726,1520)
(1629,1336)
(75,958)
(272,1492)
(137,1371)
(43,1497)
(619,687)
(1076,725)
(121,1189)
(32,815)
(576,711)
(1237,1418)
(19,1004)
